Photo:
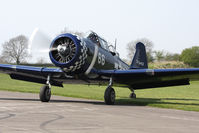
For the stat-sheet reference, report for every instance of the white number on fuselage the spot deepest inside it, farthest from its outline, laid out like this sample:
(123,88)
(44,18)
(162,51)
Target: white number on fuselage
(101,59)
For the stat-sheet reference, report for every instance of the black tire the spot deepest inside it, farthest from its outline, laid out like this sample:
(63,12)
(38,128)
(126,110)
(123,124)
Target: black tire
(109,96)
(133,96)
(45,93)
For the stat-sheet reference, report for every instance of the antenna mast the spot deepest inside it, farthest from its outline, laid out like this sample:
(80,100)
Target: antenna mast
(115,43)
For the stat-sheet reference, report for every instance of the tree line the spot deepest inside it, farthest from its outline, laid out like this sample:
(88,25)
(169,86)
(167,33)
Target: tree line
(15,51)
(189,56)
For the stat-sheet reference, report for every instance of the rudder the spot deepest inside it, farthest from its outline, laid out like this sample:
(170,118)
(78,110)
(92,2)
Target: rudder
(140,58)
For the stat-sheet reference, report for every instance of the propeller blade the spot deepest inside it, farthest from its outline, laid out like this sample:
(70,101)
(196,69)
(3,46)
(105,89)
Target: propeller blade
(53,49)
(38,47)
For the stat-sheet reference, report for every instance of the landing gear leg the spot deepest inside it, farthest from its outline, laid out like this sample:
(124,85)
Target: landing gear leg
(45,91)
(109,94)
(133,95)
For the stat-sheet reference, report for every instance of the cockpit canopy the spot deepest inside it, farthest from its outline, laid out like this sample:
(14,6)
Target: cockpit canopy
(101,42)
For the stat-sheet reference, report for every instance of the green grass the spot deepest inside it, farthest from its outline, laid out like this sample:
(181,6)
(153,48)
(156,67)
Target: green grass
(180,97)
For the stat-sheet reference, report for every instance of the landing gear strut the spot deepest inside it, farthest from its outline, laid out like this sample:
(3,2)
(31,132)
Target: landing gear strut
(109,94)
(132,95)
(45,91)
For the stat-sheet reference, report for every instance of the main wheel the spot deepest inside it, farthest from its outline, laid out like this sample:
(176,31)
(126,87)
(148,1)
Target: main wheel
(45,93)
(132,95)
(109,96)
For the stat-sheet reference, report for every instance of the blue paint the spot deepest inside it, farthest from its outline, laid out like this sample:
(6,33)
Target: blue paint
(77,44)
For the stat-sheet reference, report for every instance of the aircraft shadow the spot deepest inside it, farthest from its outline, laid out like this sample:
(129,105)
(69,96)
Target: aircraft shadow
(146,101)
(54,100)
(119,102)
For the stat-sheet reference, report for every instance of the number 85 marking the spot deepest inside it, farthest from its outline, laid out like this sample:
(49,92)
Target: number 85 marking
(101,59)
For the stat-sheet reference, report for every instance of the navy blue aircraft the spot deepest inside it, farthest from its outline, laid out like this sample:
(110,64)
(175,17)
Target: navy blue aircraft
(89,60)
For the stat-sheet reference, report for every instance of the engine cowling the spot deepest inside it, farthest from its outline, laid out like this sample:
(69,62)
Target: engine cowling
(68,52)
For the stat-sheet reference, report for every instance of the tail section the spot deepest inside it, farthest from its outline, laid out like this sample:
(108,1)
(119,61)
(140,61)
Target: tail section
(140,58)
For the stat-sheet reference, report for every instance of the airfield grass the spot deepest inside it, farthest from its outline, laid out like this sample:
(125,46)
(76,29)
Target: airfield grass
(180,97)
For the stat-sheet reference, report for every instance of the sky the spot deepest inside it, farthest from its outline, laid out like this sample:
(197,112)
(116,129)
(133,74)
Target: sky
(172,25)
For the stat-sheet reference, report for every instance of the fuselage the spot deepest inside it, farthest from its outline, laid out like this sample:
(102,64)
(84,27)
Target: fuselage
(102,59)
(83,57)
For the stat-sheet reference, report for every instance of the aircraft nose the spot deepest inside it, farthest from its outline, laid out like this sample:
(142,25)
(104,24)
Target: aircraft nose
(68,52)
(64,49)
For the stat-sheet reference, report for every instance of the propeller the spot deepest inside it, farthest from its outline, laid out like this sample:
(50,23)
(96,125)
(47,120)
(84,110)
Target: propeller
(38,47)
(62,49)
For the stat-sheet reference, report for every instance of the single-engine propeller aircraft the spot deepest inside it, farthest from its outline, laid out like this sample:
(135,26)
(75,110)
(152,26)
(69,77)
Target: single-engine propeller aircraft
(89,60)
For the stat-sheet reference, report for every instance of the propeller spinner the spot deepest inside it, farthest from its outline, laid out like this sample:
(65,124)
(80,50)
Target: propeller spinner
(63,50)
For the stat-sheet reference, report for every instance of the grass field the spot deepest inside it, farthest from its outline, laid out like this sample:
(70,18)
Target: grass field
(180,97)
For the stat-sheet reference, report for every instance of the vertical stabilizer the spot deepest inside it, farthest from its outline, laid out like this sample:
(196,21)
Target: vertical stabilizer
(140,58)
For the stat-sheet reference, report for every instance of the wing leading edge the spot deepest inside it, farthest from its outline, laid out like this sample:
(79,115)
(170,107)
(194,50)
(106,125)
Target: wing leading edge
(32,74)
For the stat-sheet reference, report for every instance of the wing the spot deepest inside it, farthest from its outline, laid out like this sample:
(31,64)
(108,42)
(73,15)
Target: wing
(34,74)
(151,78)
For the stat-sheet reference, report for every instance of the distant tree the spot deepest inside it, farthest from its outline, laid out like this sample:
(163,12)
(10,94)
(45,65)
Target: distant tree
(1,59)
(15,50)
(148,45)
(159,55)
(190,56)
(172,57)
(66,30)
